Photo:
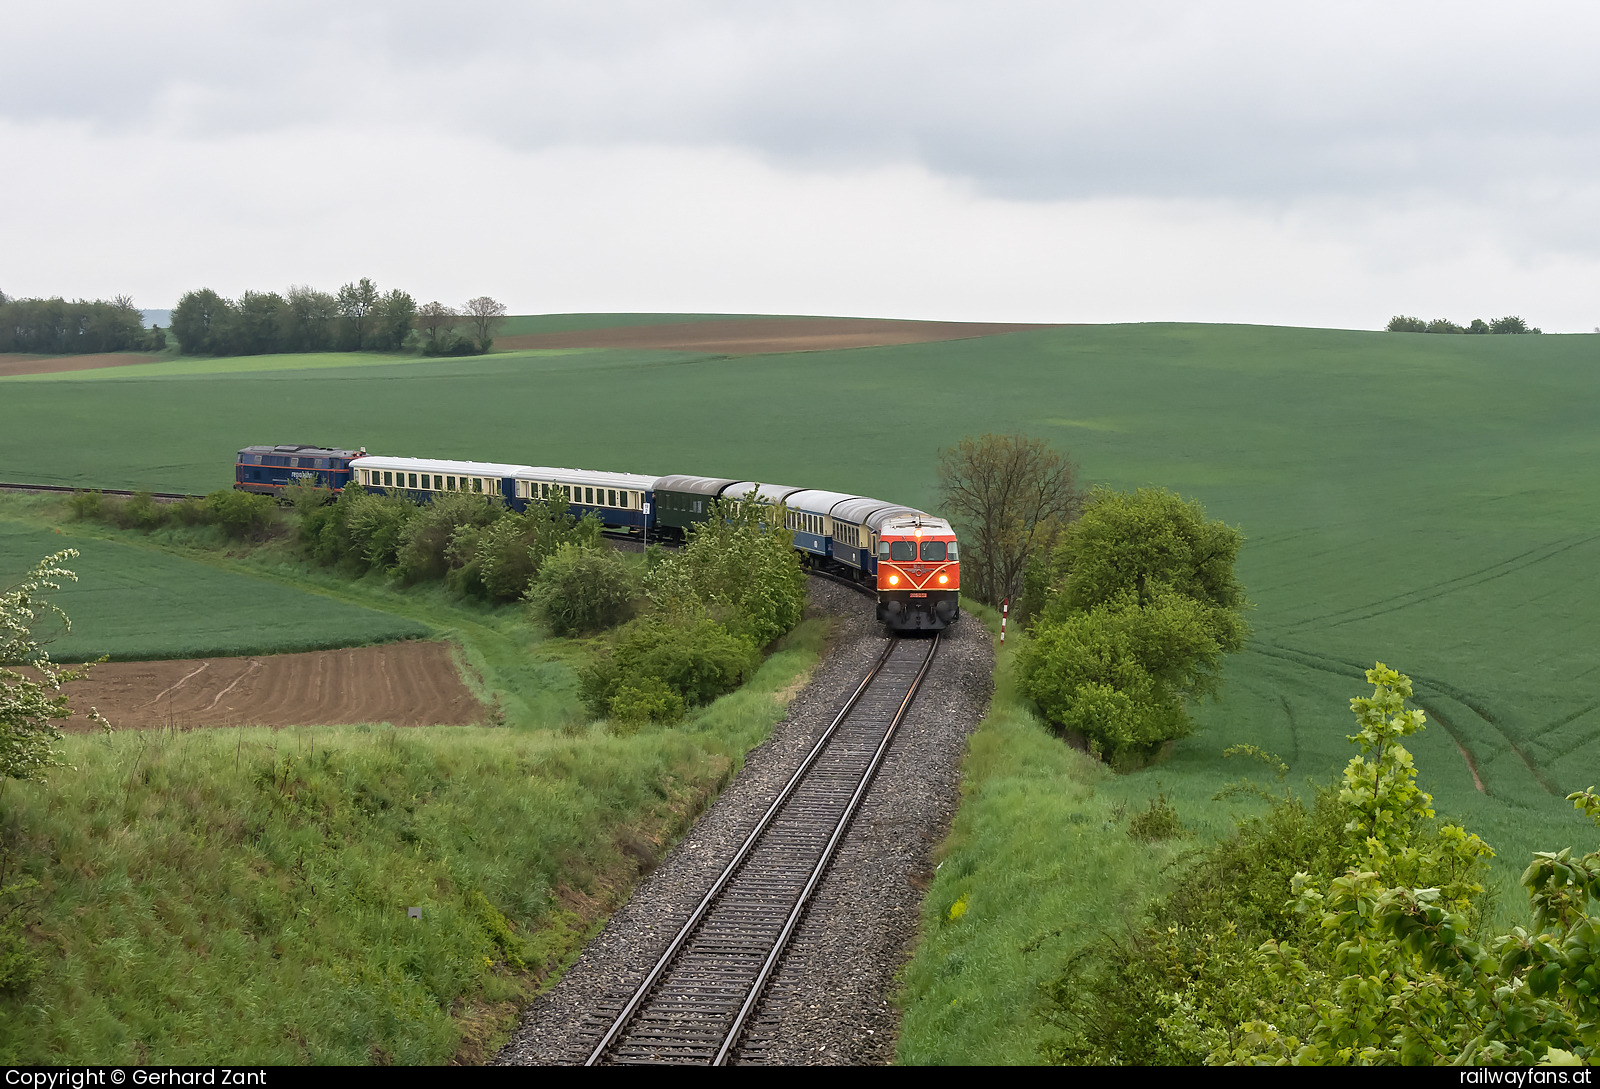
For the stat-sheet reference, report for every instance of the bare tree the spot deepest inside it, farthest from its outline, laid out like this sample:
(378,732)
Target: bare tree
(485,315)
(1010,496)
(435,319)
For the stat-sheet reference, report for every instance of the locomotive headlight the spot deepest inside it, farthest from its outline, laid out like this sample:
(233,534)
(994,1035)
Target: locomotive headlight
(943,579)
(894,580)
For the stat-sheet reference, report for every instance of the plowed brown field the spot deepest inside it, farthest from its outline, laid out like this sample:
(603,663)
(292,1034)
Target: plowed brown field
(760,335)
(406,684)
(55,364)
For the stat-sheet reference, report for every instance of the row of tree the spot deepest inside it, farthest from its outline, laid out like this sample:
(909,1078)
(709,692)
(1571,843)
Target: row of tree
(57,327)
(358,317)
(1400,323)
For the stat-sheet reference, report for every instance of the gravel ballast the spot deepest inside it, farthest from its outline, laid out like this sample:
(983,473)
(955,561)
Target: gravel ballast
(830,1000)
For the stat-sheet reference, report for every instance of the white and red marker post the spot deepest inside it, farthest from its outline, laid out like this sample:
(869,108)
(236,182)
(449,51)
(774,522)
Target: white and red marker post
(1005,607)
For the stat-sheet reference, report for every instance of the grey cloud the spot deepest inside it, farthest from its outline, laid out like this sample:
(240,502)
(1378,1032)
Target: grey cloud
(1247,101)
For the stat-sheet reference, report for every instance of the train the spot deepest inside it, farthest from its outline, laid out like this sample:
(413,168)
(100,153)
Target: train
(910,558)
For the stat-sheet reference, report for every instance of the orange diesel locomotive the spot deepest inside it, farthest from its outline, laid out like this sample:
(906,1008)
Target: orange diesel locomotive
(919,576)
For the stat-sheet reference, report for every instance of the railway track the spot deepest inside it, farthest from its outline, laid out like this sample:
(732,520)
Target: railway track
(68,490)
(694,1003)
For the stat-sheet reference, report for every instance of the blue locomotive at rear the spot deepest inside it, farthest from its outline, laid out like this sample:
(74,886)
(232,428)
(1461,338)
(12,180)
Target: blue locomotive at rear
(270,469)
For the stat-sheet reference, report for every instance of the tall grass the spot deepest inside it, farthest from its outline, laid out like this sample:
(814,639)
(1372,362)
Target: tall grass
(242,895)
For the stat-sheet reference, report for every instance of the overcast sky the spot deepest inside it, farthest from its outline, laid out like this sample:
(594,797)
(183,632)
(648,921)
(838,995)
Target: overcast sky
(1255,162)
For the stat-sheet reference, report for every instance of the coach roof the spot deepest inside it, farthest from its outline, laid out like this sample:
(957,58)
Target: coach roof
(428,465)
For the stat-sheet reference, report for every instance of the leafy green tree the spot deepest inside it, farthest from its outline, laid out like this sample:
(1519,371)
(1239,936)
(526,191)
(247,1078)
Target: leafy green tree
(392,320)
(259,323)
(1138,607)
(1508,324)
(1444,325)
(202,322)
(1010,496)
(1400,323)
(309,320)
(1478,326)
(356,304)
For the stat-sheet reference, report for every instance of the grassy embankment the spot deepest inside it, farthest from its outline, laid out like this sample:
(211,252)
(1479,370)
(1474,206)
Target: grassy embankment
(241,894)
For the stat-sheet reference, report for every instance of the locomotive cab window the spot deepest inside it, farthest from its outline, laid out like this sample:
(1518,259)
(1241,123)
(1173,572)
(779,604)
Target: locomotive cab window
(933,551)
(952,552)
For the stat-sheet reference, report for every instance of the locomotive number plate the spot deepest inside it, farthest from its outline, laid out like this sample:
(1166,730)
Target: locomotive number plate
(914,594)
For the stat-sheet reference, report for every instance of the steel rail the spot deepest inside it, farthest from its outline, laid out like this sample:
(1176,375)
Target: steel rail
(710,897)
(67,488)
(682,940)
(770,964)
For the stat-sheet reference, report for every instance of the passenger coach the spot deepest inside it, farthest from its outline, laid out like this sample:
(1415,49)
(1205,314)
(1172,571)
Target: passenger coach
(419,479)
(619,500)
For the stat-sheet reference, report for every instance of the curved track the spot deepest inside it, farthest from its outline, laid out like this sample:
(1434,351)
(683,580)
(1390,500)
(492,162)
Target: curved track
(694,1002)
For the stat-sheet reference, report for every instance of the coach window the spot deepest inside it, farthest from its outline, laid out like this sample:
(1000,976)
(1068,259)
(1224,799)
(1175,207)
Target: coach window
(413,479)
(450,483)
(477,483)
(933,551)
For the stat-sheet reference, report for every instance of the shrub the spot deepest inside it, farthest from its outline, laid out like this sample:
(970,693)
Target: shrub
(1444,325)
(427,539)
(501,561)
(738,570)
(86,506)
(240,515)
(697,661)
(190,512)
(1160,821)
(1402,324)
(376,526)
(139,511)
(645,699)
(583,590)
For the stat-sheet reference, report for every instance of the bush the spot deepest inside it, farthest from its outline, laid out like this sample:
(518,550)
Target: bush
(1137,609)
(1444,325)
(427,541)
(376,526)
(1117,1001)
(1402,324)
(240,515)
(737,570)
(1160,821)
(190,512)
(139,511)
(87,506)
(583,590)
(645,699)
(696,661)
(501,561)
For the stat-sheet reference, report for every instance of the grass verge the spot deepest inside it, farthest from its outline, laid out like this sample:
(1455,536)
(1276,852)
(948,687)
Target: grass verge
(1038,861)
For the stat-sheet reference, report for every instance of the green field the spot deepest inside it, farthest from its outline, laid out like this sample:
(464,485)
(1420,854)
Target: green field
(133,602)
(1430,501)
